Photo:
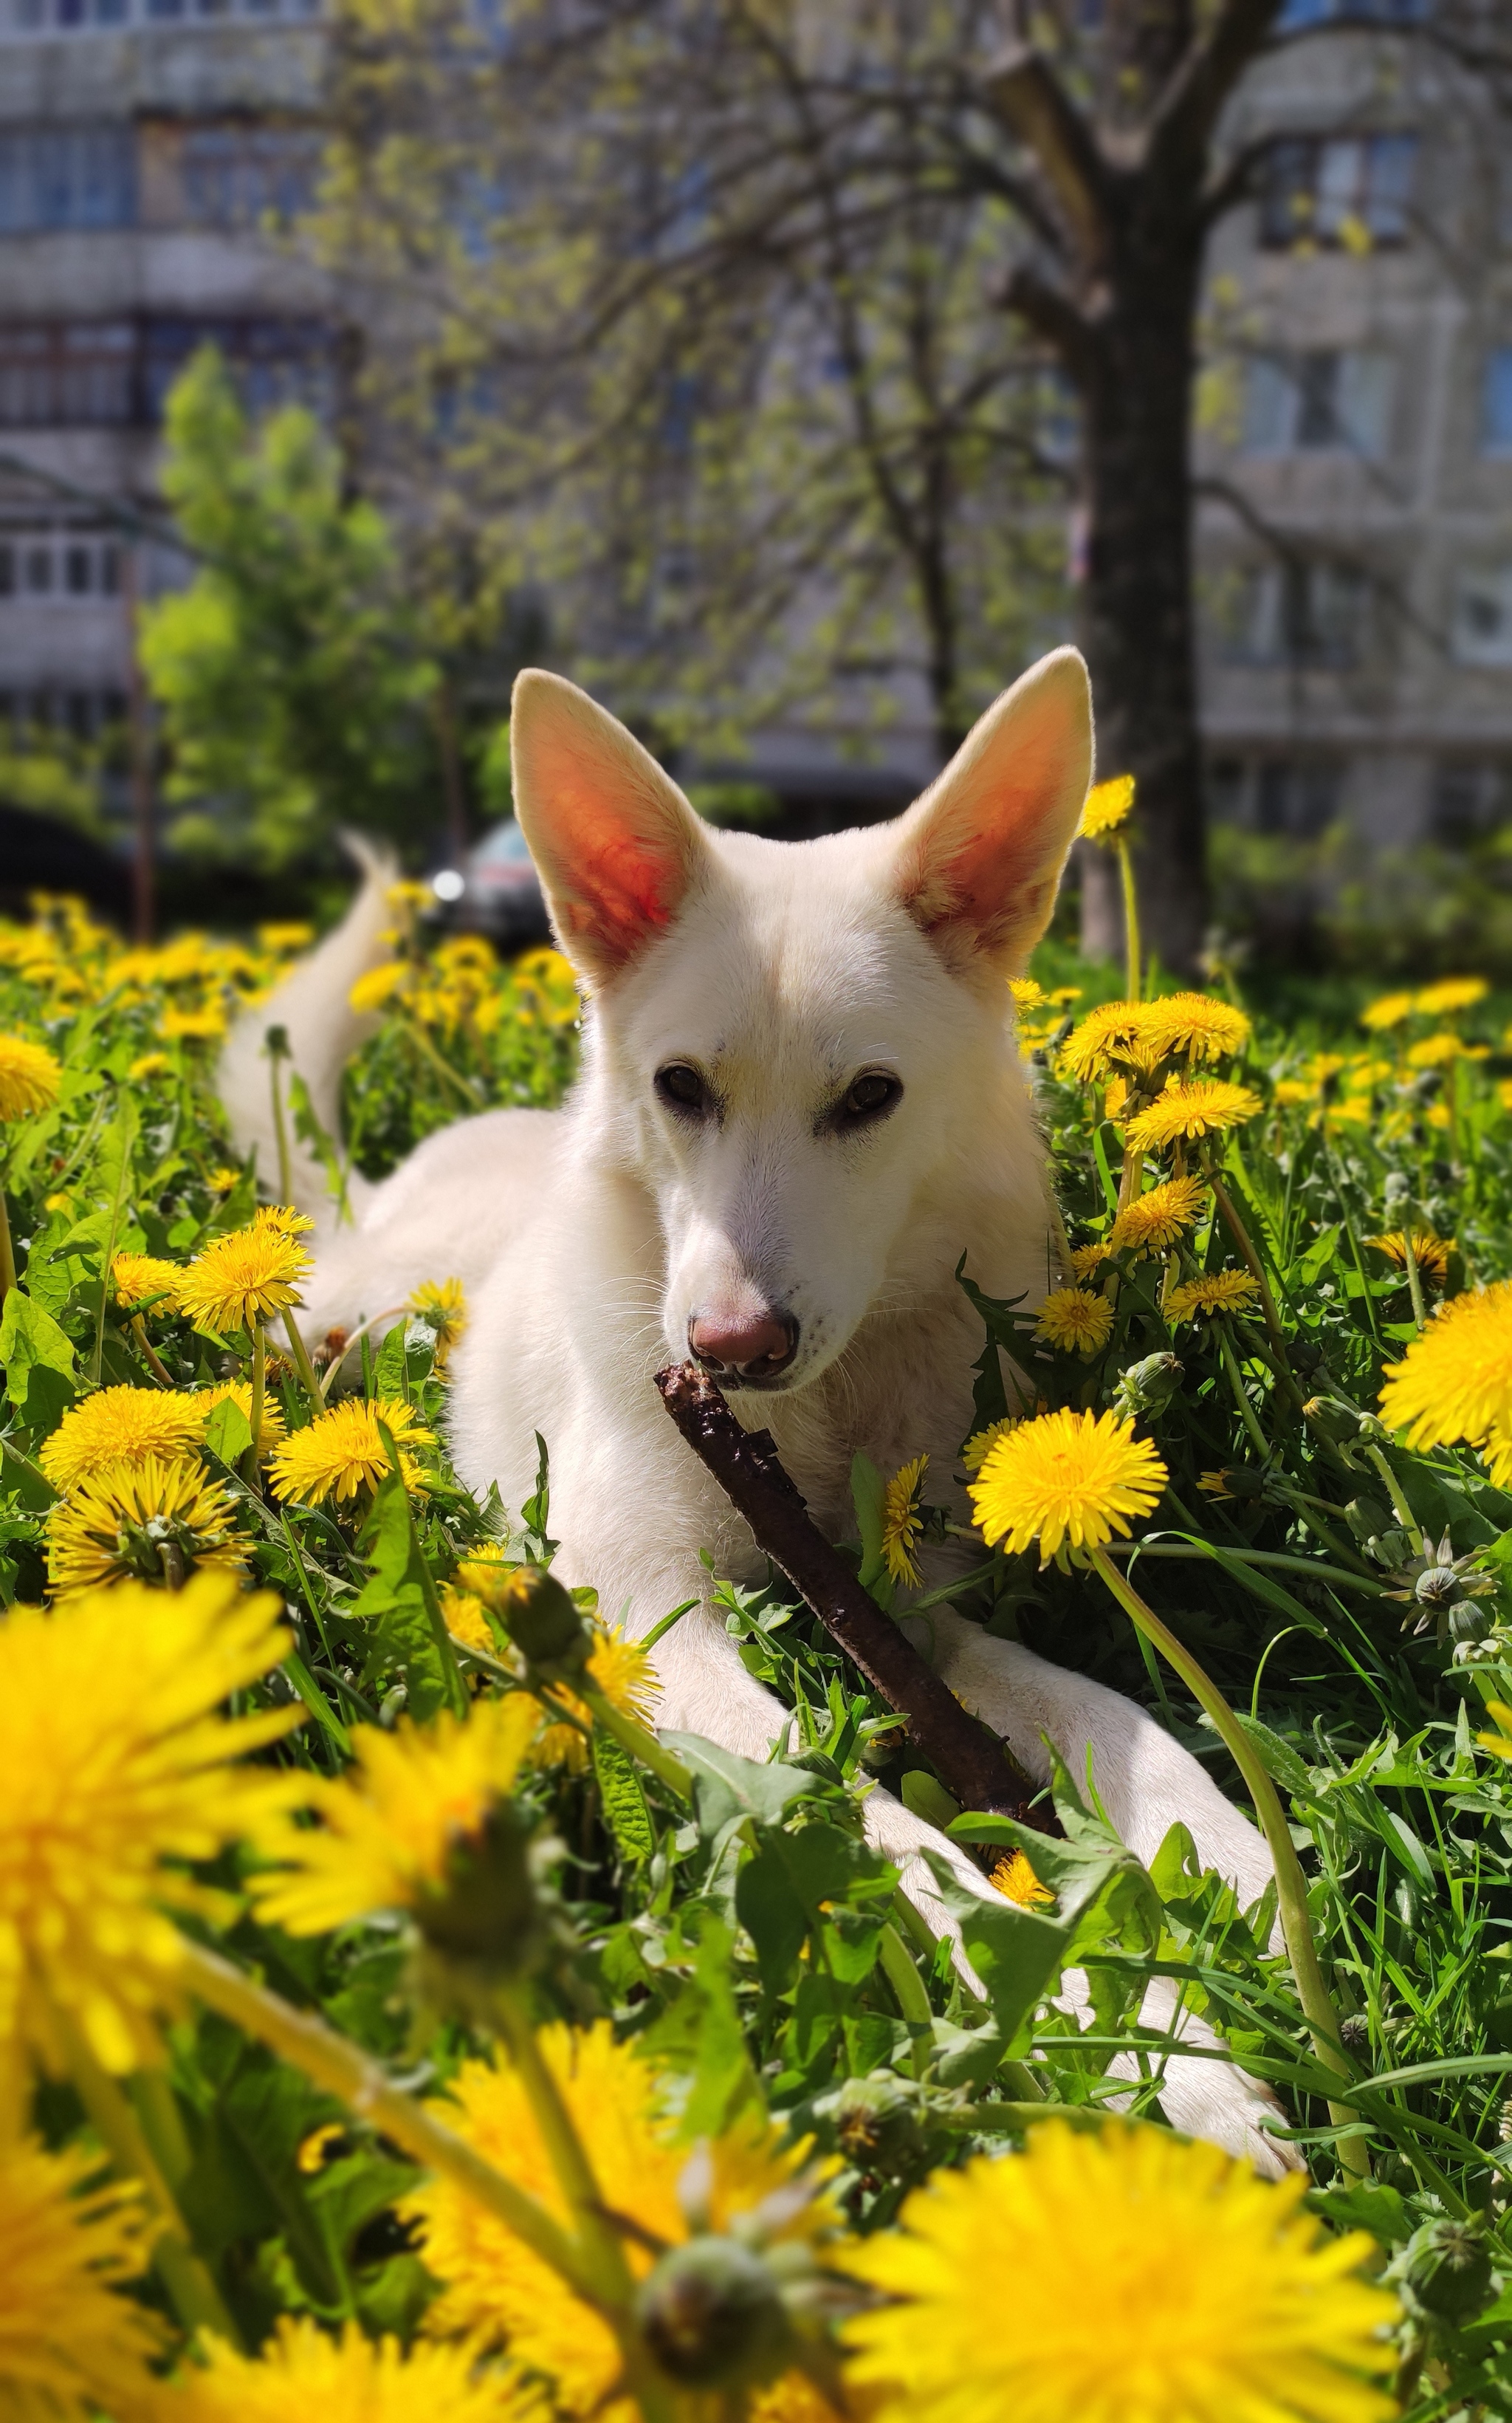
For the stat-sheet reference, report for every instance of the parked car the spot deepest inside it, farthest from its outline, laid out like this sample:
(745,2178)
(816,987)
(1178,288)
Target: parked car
(494,891)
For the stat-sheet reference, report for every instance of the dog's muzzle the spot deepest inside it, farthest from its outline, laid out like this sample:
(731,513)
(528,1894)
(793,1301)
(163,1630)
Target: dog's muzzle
(750,1353)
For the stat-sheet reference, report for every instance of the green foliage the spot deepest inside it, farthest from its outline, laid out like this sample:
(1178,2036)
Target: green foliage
(291,672)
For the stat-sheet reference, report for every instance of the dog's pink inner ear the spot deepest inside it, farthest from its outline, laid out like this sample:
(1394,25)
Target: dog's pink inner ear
(980,855)
(615,843)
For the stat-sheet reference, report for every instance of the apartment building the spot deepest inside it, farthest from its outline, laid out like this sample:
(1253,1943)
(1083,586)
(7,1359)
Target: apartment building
(1355,525)
(149,150)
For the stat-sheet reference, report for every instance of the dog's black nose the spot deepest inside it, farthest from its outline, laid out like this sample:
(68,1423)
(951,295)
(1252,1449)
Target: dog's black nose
(755,1347)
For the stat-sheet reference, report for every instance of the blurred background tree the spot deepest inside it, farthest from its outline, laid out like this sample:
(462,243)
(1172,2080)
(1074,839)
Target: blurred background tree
(774,346)
(293,684)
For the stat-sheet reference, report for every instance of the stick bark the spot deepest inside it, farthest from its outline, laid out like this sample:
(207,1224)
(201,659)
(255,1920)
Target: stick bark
(974,1765)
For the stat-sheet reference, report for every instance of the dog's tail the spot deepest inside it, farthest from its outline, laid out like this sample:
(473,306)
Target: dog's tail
(313,1006)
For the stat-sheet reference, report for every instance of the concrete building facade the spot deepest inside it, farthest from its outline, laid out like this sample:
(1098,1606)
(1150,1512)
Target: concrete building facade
(146,147)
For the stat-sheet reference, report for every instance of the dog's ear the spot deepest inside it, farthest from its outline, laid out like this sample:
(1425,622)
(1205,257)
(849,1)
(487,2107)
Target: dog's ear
(979,857)
(615,843)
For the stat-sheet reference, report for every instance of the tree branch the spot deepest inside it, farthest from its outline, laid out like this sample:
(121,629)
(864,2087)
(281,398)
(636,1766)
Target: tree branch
(1052,315)
(973,1765)
(1194,101)
(1033,103)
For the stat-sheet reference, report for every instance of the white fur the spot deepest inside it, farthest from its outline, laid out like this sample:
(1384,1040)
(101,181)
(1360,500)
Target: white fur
(589,1238)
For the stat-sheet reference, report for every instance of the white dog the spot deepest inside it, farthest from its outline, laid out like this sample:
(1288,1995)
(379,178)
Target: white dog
(800,1102)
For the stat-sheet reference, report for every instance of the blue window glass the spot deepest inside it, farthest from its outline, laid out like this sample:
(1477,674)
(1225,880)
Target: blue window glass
(1496,431)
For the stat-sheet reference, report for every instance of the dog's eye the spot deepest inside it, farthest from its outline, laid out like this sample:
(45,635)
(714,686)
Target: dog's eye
(681,1087)
(870,1098)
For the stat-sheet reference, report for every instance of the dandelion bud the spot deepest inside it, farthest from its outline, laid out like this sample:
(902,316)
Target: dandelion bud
(1333,1418)
(711,2311)
(1445,2268)
(1146,1386)
(486,1915)
(876,2125)
(545,1626)
(1367,1517)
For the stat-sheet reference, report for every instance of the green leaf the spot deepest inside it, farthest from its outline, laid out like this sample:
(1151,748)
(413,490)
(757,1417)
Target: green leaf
(38,1361)
(922,1797)
(227,1433)
(624,1802)
(869,1497)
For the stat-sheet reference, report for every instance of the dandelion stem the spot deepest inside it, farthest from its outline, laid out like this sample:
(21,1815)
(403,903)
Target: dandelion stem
(637,1739)
(260,1373)
(1414,1276)
(192,2291)
(1291,1885)
(908,1988)
(1398,1496)
(303,1365)
(158,1369)
(277,1037)
(564,2149)
(1131,920)
(1256,1269)
(344,2070)
(1241,1396)
(8,1253)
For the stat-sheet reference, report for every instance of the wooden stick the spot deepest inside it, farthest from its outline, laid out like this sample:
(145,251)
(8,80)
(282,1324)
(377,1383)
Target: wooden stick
(975,1767)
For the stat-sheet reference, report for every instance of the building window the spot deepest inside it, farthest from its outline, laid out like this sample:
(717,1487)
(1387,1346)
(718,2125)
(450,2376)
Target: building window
(1470,800)
(1312,614)
(106,373)
(1298,796)
(66,374)
(20,19)
(65,565)
(1496,425)
(54,177)
(1483,617)
(238,176)
(1297,15)
(1320,402)
(1338,189)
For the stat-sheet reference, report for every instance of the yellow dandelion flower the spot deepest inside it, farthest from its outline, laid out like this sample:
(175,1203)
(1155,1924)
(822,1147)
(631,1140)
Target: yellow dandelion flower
(1498,1742)
(444,1304)
(1075,1321)
(1119,1031)
(145,1519)
(1027,994)
(1017,1881)
(284,938)
(1436,1051)
(69,2343)
(29,1078)
(1217,1292)
(223,1180)
(272,1429)
(1107,806)
(192,1025)
(1066,1476)
(341,1451)
(1288,1091)
(243,1279)
(304,2371)
(136,1279)
(282,1219)
(116,1425)
(378,988)
(497,2290)
(1454,993)
(1160,1217)
(1195,1026)
(1204,1107)
(980,1443)
(1388,1010)
(902,1524)
(1115,1097)
(319,2147)
(113,1759)
(148,1064)
(392,1824)
(1455,1381)
(794,2398)
(1085,1259)
(625,1675)
(1430,1251)
(1164,2280)
(1214,1484)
